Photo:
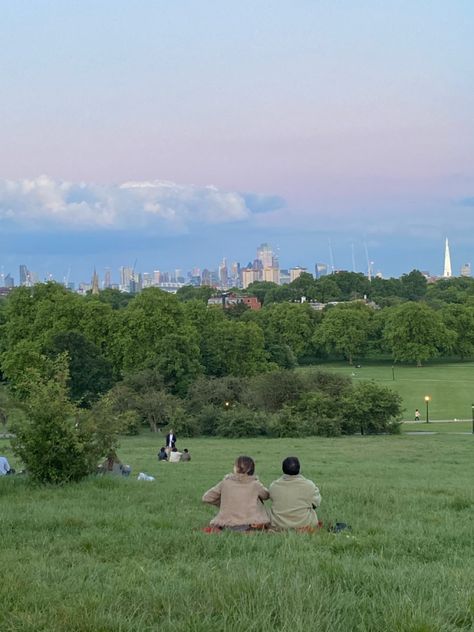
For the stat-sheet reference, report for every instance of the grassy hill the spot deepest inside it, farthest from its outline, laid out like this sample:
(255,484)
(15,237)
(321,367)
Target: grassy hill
(122,555)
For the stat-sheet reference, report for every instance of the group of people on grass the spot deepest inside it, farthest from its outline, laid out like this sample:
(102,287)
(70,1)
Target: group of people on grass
(240,497)
(169,452)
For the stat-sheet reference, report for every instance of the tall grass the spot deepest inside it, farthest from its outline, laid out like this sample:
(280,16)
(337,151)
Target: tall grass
(121,555)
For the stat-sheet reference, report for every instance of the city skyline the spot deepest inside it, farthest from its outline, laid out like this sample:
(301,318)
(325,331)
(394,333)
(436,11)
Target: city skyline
(265,266)
(175,134)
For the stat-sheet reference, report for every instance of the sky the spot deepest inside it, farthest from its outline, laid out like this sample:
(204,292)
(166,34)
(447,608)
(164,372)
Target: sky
(179,133)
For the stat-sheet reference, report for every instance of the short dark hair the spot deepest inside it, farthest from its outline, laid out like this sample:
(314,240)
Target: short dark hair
(185,450)
(291,466)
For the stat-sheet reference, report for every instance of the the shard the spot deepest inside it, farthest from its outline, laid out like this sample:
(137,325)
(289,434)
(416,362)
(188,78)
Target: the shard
(447,261)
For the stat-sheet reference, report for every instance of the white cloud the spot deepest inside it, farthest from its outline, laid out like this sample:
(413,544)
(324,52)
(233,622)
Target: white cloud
(46,203)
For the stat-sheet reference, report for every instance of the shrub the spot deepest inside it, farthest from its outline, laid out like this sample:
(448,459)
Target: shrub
(57,442)
(242,422)
(271,391)
(371,408)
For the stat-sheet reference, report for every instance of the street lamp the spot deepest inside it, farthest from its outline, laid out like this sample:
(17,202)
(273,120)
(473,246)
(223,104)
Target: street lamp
(427,401)
(472,408)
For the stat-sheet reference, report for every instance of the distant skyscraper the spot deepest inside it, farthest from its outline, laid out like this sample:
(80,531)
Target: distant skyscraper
(320,270)
(107,278)
(25,276)
(466,270)
(447,261)
(223,274)
(126,276)
(265,255)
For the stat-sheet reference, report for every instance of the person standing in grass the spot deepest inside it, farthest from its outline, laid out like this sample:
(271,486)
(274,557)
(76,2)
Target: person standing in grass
(417,414)
(294,499)
(240,497)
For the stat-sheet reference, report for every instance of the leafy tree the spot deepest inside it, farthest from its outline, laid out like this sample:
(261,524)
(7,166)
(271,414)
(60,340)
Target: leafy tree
(353,285)
(414,333)
(288,324)
(191,293)
(115,298)
(371,408)
(460,320)
(55,442)
(271,391)
(327,290)
(413,285)
(90,374)
(239,349)
(344,330)
(155,332)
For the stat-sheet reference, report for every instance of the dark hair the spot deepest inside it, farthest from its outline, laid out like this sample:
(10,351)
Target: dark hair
(185,450)
(291,466)
(174,450)
(244,465)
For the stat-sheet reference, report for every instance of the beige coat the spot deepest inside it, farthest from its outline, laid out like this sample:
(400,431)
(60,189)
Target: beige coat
(239,498)
(293,501)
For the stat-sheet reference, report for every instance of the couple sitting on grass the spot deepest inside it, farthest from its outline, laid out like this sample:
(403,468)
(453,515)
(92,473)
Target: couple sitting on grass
(240,497)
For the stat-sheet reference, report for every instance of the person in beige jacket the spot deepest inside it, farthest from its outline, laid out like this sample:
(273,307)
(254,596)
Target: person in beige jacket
(240,497)
(294,499)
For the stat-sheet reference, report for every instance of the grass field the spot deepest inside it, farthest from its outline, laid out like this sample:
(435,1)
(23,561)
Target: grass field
(121,555)
(450,386)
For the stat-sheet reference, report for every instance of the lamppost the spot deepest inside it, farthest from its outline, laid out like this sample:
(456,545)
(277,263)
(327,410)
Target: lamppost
(427,400)
(472,408)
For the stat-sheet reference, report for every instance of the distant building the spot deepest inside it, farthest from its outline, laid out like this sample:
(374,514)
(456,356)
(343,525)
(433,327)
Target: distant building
(231,300)
(447,273)
(249,275)
(296,272)
(25,276)
(272,275)
(320,270)
(466,270)
(107,279)
(284,277)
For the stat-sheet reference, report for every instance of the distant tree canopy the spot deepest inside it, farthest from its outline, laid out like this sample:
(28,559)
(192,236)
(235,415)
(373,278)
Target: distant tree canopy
(144,358)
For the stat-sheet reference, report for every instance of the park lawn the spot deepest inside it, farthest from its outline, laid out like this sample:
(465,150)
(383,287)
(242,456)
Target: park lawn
(451,427)
(120,554)
(450,386)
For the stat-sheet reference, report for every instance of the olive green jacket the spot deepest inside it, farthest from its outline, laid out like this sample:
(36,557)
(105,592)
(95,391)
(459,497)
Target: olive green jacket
(293,501)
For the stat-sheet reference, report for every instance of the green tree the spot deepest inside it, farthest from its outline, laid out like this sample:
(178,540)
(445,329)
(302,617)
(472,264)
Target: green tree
(191,293)
(57,443)
(156,333)
(415,333)
(413,285)
(371,408)
(288,324)
(90,374)
(460,320)
(344,330)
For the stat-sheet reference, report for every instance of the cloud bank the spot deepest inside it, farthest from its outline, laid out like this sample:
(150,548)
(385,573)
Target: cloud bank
(45,203)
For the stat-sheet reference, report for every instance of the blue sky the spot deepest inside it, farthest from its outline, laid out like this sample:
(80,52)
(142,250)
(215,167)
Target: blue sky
(177,133)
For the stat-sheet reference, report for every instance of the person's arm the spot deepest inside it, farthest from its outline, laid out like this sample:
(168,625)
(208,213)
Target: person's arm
(263,492)
(316,500)
(213,495)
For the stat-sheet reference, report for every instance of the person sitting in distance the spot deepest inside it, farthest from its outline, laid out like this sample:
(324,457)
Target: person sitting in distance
(185,456)
(113,465)
(294,498)
(175,456)
(240,497)
(5,468)
(162,455)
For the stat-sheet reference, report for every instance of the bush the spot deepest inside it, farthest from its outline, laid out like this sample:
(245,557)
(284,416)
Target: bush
(371,408)
(242,422)
(57,442)
(271,391)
